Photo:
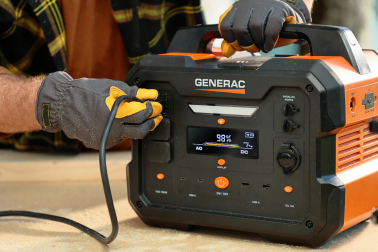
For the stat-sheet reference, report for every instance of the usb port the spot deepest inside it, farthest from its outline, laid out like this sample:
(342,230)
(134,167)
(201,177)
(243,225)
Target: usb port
(245,184)
(200,180)
(266,187)
(183,178)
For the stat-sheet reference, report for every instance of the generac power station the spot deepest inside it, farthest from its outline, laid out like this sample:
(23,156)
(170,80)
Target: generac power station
(280,146)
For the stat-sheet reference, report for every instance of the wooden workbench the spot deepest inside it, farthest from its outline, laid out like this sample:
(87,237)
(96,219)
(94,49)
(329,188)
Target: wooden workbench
(82,199)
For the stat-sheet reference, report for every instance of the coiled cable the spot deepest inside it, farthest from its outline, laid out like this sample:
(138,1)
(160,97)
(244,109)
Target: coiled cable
(105,182)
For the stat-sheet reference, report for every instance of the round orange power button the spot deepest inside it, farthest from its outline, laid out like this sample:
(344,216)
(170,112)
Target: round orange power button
(160,176)
(221,182)
(221,162)
(288,189)
(221,121)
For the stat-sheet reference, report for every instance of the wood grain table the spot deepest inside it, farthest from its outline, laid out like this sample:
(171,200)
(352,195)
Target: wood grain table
(83,200)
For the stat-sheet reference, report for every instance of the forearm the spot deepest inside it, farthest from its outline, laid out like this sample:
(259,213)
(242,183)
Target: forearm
(309,4)
(18,95)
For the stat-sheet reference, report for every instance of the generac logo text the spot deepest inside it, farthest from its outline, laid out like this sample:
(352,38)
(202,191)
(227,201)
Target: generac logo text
(219,83)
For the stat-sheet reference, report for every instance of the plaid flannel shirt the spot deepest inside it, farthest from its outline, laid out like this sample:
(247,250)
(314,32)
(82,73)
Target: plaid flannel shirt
(33,42)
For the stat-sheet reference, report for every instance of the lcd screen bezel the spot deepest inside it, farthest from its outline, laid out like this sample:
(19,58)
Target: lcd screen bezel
(256,137)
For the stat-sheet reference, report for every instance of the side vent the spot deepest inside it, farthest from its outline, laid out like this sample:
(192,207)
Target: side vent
(355,144)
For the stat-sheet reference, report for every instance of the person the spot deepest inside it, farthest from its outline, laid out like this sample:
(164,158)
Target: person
(94,39)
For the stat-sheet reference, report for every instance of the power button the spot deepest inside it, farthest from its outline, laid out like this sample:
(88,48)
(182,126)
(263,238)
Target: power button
(221,182)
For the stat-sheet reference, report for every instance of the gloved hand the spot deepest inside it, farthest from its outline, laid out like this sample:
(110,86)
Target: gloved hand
(254,25)
(81,108)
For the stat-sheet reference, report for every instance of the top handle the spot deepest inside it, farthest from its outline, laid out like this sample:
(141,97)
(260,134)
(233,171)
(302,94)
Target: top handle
(324,40)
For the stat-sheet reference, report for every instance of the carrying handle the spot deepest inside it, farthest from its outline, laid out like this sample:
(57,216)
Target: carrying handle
(324,40)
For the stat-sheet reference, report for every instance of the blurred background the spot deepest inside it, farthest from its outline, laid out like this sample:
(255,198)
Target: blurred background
(358,15)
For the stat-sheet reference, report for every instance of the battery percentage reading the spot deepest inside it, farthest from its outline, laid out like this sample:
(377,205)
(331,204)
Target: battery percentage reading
(223,142)
(222,138)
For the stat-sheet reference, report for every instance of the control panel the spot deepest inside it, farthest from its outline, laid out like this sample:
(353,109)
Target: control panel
(236,156)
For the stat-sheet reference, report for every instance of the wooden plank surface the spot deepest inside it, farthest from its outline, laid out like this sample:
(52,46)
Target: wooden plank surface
(16,166)
(85,203)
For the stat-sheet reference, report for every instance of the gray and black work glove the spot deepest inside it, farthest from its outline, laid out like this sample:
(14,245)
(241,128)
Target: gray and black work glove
(255,25)
(81,108)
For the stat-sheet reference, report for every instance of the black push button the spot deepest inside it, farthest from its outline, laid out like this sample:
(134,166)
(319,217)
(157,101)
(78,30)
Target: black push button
(162,131)
(159,152)
(289,109)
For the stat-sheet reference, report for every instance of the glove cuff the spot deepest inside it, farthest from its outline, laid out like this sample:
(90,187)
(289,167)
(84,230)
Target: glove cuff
(301,6)
(50,101)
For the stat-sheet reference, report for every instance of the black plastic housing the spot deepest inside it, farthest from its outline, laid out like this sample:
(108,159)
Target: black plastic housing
(188,196)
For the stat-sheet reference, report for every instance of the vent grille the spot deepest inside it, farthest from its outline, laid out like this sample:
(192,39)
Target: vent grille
(355,144)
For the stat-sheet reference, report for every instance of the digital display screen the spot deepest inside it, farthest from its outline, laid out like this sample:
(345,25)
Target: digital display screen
(238,143)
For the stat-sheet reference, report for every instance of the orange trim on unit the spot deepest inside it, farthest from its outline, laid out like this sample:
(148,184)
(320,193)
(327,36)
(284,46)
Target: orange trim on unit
(356,86)
(349,77)
(231,91)
(194,56)
(360,193)
(357,168)
(355,144)
(357,95)
(356,147)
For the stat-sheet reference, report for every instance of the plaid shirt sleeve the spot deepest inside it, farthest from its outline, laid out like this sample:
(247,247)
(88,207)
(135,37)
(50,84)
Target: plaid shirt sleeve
(33,41)
(33,37)
(148,26)
(23,47)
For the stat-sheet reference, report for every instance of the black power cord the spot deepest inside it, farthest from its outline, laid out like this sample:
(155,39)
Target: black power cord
(105,183)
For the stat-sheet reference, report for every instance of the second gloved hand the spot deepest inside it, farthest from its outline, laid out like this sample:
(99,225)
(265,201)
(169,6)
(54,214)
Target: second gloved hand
(81,108)
(255,25)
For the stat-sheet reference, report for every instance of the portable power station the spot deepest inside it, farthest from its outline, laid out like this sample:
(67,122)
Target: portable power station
(279,146)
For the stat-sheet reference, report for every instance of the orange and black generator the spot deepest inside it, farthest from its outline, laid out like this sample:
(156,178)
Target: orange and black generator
(280,146)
